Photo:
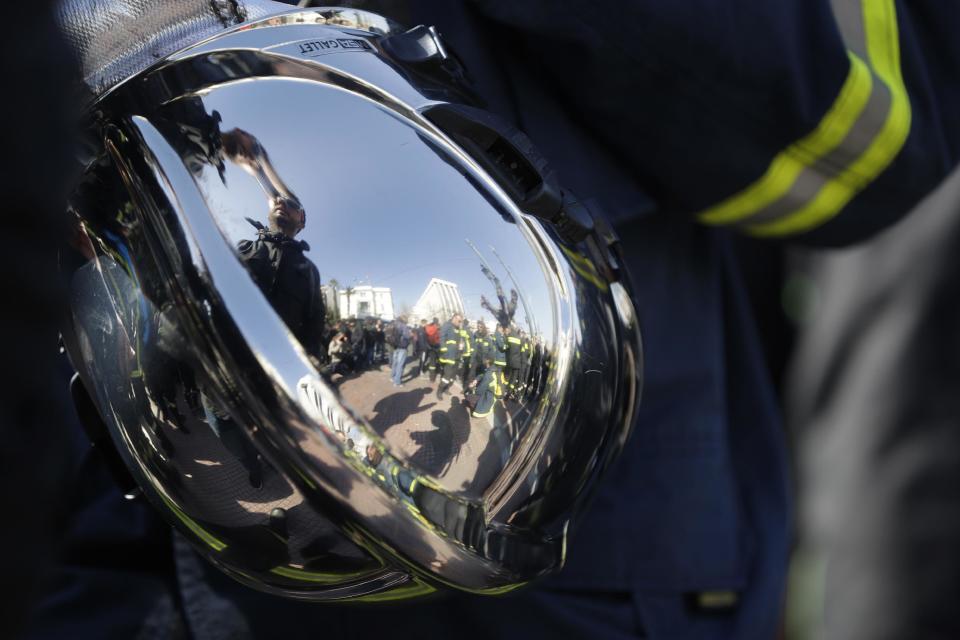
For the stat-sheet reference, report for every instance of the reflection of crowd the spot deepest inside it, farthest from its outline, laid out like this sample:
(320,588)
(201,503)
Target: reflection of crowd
(505,364)
(354,345)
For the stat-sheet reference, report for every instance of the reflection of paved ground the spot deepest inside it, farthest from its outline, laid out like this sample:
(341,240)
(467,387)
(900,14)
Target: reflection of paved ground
(206,477)
(212,485)
(438,436)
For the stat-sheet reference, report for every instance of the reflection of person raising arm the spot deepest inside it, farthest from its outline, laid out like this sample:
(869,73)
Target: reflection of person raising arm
(286,215)
(276,259)
(245,150)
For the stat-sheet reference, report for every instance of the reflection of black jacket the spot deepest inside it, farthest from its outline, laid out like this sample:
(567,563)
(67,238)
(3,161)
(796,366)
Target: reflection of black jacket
(449,343)
(514,352)
(290,282)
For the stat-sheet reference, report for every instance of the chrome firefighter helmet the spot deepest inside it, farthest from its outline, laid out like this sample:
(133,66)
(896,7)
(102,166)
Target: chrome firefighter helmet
(271,218)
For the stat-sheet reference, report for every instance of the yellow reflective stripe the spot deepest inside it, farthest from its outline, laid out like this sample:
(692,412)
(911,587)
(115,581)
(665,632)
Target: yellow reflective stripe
(787,165)
(208,538)
(586,269)
(883,49)
(315,577)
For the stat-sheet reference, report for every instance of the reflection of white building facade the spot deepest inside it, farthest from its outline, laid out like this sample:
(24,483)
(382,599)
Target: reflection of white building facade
(366,301)
(441,299)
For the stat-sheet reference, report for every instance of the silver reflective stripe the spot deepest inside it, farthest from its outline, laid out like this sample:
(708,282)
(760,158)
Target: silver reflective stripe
(849,17)
(814,178)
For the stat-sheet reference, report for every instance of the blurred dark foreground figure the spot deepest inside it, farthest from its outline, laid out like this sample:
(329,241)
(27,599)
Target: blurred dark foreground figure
(34,425)
(689,536)
(876,405)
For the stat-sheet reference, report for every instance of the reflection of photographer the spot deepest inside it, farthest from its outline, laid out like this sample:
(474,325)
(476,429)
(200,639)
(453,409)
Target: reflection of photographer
(275,258)
(288,279)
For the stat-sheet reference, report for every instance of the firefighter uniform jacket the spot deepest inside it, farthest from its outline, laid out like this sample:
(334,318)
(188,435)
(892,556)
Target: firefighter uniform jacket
(450,341)
(820,121)
(514,352)
(488,390)
(498,349)
(467,343)
(481,347)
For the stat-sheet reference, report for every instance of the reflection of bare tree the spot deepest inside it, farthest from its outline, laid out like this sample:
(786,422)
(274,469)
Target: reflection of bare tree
(333,310)
(504,314)
(348,292)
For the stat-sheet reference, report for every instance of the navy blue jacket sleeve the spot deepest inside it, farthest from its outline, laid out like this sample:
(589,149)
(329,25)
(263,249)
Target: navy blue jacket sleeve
(819,120)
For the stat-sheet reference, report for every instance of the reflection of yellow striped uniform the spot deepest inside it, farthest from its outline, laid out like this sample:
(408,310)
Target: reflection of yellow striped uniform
(812,179)
(499,349)
(449,344)
(489,390)
(467,344)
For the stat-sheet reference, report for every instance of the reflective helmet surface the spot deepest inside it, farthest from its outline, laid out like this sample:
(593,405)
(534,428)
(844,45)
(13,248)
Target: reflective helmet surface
(273,219)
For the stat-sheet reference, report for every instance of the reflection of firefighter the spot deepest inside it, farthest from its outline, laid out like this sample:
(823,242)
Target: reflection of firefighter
(467,355)
(525,354)
(432,333)
(514,362)
(481,351)
(451,346)
(488,389)
(536,367)
(498,350)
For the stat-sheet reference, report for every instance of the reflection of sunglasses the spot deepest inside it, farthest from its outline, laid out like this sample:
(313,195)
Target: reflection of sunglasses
(290,207)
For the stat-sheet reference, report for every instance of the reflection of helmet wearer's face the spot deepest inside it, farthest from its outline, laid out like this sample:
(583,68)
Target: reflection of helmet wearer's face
(238,328)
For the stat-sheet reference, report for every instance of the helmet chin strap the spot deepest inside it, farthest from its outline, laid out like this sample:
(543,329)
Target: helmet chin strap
(115,39)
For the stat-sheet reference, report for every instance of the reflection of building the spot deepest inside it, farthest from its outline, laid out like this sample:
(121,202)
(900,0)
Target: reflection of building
(441,299)
(366,301)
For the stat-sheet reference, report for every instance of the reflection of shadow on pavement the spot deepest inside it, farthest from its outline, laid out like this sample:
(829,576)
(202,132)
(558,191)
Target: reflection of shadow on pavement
(495,454)
(438,438)
(442,445)
(435,446)
(397,407)
(211,466)
(217,493)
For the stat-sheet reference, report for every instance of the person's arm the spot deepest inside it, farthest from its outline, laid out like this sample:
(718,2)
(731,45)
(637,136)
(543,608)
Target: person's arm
(246,151)
(818,120)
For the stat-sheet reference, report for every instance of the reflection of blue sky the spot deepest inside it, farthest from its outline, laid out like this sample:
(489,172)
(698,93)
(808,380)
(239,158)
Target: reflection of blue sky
(382,207)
